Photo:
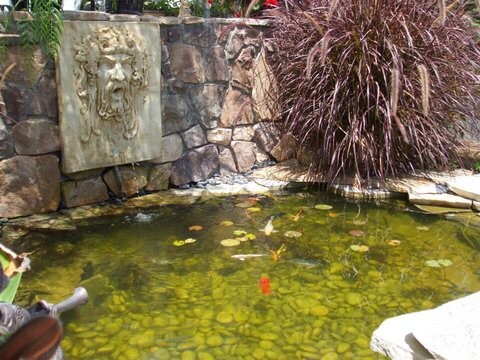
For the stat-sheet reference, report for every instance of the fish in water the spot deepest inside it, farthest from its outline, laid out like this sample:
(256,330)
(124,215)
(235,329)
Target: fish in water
(264,284)
(247,256)
(307,263)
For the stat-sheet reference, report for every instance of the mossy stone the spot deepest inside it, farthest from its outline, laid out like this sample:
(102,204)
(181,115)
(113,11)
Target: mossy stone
(353,298)
(224,317)
(342,347)
(319,310)
(214,340)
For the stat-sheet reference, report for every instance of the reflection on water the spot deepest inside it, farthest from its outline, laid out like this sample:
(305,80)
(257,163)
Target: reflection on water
(329,289)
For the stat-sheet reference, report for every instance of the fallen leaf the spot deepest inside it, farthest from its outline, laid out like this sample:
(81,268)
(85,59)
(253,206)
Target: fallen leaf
(250,236)
(394,242)
(445,262)
(432,263)
(253,209)
(356,232)
(195,228)
(423,228)
(178,242)
(359,222)
(239,232)
(190,240)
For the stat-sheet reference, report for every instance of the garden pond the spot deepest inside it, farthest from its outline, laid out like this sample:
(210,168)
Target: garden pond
(163,283)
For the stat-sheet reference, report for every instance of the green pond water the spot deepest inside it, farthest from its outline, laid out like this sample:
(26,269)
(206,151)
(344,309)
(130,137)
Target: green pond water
(330,288)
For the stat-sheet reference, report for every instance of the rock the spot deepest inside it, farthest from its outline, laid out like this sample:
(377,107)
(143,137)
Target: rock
(219,136)
(29,185)
(285,148)
(124,18)
(202,35)
(476,206)
(466,186)
(446,200)
(242,69)
(23,73)
(172,149)
(260,155)
(158,177)
(243,133)
(412,185)
(85,15)
(176,115)
(194,137)
(36,136)
(440,209)
(16,101)
(6,142)
(264,90)
(227,162)
(207,101)
(132,179)
(82,192)
(265,136)
(44,99)
(244,154)
(196,165)
(186,62)
(236,109)
(239,37)
(216,68)
(87,174)
(449,331)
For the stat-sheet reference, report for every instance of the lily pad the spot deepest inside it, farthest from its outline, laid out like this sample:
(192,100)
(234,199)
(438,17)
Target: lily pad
(445,262)
(292,233)
(359,248)
(195,228)
(239,232)
(423,228)
(323,207)
(178,242)
(245,204)
(226,223)
(394,242)
(433,263)
(359,222)
(356,232)
(253,209)
(230,242)
(250,236)
(190,240)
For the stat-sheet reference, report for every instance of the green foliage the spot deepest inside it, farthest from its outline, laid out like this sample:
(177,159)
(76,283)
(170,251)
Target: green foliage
(222,9)
(375,88)
(476,167)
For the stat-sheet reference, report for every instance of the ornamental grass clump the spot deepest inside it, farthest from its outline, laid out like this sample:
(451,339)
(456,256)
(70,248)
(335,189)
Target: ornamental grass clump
(376,87)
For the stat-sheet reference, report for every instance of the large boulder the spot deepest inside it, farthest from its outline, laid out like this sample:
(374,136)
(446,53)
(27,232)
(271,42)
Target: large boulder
(29,185)
(196,165)
(130,181)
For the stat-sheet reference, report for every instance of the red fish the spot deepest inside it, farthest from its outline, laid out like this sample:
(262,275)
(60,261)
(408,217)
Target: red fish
(264,284)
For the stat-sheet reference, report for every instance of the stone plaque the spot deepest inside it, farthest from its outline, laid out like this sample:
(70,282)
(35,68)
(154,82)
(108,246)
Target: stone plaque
(109,94)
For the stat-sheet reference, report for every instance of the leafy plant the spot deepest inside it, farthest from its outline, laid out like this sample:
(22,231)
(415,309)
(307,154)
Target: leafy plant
(376,87)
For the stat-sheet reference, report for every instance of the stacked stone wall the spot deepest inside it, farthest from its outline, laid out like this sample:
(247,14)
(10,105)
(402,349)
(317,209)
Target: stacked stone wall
(217,118)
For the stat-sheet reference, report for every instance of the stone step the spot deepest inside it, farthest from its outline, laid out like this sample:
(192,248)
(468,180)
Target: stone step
(446,200)
(466,186)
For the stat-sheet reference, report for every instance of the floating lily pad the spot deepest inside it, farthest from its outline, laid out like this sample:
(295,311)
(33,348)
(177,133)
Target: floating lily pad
(292,233)
(445,262)
(253,209)
(323,207)
(433,263)
(394,242)
(250,236)
(239,232)
(195,228)
(359,222)
(178,242)
(230,242)
(359,248)
(190,240)
(438,263)
(356,232)
(226,223)
(245,204)
(423,228)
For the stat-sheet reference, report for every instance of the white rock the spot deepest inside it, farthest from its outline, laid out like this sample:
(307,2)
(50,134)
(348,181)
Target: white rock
(449,332)
(447,200)
(466,186)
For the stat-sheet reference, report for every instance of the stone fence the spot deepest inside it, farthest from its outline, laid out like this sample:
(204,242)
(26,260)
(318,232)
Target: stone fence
(216,117)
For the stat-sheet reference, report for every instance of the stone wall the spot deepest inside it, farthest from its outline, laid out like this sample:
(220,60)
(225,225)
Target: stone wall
(216,118)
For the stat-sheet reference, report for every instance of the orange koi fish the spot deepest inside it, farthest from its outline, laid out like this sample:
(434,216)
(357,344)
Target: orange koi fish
(264,284)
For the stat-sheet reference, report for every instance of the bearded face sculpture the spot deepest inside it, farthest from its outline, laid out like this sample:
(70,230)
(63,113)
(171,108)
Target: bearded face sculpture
(111,69)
